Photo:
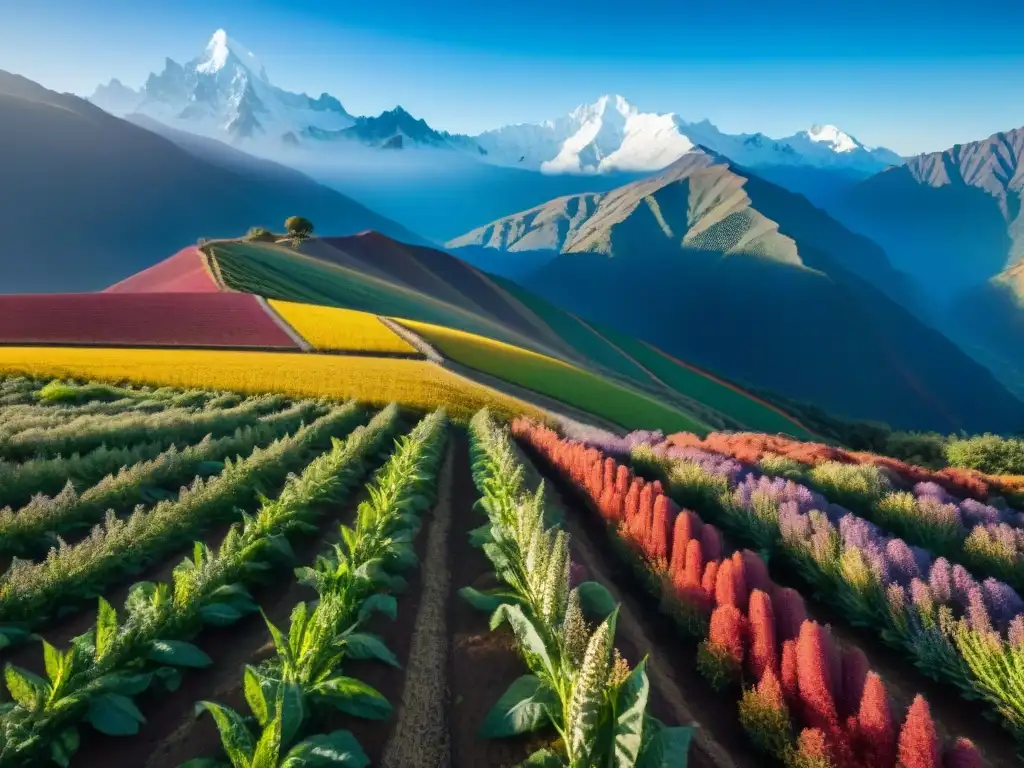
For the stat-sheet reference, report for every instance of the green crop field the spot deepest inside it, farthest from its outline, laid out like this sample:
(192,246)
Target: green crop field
(577,335)
(743,408)
(275,272)
(556,379)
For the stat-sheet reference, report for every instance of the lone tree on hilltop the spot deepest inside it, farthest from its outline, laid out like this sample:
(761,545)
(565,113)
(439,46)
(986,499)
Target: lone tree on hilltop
(299,228)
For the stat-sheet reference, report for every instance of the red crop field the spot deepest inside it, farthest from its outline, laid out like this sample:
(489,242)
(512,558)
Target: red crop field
(184,272)
(143,319)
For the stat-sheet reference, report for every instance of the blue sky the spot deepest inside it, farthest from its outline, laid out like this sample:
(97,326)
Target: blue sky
(908,74)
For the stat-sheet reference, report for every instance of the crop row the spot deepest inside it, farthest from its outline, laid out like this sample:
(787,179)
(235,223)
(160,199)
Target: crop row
(809,703)
(372,380)
(31,593)
(579,684)
(89,432)
(95,679)
(48,474)
(16,390)
(34,527)
(290,693)
(955,629)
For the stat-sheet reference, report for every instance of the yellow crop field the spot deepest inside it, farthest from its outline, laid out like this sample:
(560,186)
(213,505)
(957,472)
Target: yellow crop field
(556,379)
(340,330)
(371,380)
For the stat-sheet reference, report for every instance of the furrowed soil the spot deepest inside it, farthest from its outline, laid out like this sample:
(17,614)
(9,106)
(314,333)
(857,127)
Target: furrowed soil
(679,695)
(482,664)
(172,733)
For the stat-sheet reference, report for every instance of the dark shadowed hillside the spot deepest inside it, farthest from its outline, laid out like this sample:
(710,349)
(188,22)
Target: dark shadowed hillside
(714,264)
(950,219)
(88,199)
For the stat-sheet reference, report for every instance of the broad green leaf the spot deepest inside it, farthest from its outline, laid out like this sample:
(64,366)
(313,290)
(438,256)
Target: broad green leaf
(64,746)
(379,603)
(178,653)
(53,660)
(169,677)
(596,601)
(480,536)
(219,614)
(490,600)
(403,558)
(354,697)
(268,748)
(339,748)
(526,634)
(520,710)
(114,715)
(630,705)
(280,641)
(543,758)
(26,688)
(669,748)
(234,735)
(125,684)
(292,710)
(256,696)
(363,645)
(10,635)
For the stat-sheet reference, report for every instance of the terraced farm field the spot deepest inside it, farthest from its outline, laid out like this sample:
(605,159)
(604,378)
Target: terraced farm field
(341,330)
(374,380)
(141,319)
(551,377)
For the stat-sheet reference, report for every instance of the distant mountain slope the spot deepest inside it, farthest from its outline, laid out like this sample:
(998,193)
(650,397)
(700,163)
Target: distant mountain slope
(89,199)
(717,266)
(951,219)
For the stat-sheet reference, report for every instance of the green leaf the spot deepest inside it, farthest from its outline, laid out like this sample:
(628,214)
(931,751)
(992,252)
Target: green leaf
(292,710)
(339,748)
(520,710)
(543,758)
(26,688)
(403,558)
(596,601)
(490,600)
(630,705)
(106,628)
(64,746)
(126,685)
(268,748)
(354,697)
(379,603)
(669,748)
(53,660)
(480,536)
(178,653)
(169,677)
(11,635)
(114,715)
(526,634)
(256,696)
(234,735)
(363,645)
(219,614)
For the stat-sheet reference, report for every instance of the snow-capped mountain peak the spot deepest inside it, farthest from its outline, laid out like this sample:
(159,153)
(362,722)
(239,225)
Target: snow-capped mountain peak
(832,136)
(611,134)
(221,49)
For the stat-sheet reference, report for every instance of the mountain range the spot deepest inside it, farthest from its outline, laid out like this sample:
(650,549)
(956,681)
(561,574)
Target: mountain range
(88,199)
(225,93)
(710,262)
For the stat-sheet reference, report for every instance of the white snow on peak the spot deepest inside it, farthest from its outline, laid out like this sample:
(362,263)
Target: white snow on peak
(217,53)
(611,134)
(829,134)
